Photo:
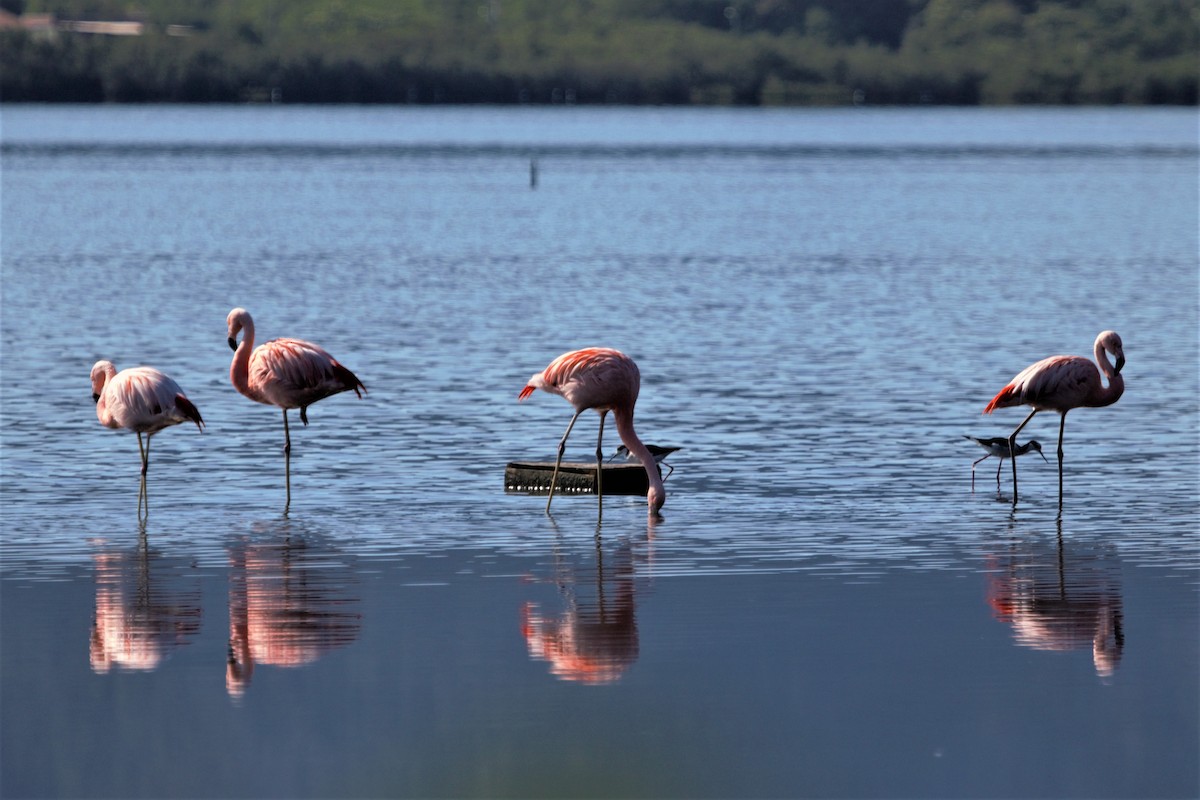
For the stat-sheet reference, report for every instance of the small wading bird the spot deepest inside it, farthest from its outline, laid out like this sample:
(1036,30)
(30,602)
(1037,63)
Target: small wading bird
(605,380)
(288,373)
(1061,383)
(659,453)
(998,446)
(143,400)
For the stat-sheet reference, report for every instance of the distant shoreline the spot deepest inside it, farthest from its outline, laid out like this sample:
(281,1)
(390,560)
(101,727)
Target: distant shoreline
(806,53)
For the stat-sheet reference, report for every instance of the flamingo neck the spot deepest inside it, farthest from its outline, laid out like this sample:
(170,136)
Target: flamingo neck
(1110,394)
(656,495)
(100,387)
(239,369)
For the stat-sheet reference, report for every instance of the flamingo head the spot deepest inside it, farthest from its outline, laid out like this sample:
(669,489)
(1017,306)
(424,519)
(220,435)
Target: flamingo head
(238,319)
(101,372)
(1110,342)
(655,499)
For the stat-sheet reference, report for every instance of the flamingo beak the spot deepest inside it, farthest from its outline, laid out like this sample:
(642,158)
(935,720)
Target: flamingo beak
(232,343)
(1120,363)
(95,397)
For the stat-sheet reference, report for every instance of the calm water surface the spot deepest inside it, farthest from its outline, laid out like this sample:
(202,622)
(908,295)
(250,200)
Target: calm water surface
(821,303)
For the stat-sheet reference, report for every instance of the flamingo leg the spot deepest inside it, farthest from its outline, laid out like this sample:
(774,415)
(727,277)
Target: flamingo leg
(562,446)
(976,461)
(143,498)
(1012,449)
(287,436)
(287,479)
(146,456)
(1062,426)
(599,467)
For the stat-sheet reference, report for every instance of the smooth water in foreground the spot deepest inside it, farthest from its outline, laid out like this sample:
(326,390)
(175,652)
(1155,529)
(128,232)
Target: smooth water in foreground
(821,303)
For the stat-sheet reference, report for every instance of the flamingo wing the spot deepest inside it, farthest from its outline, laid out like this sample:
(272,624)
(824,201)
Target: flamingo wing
(146,400)
(293,373)
(594,377)
(1056,383)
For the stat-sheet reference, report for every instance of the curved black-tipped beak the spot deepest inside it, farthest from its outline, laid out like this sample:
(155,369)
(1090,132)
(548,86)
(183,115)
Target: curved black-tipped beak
(232,343)
(1120,363)
(95,397)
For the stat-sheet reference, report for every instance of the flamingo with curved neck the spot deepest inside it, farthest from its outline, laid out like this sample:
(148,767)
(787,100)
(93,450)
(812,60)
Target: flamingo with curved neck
(143,400)
(288,373)
(1061,383)
(606,380)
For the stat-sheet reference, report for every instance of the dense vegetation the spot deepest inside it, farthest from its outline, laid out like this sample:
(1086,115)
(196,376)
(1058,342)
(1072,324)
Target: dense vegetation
(622,51)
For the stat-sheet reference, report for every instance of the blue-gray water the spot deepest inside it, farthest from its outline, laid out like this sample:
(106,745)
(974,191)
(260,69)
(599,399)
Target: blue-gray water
(821,303)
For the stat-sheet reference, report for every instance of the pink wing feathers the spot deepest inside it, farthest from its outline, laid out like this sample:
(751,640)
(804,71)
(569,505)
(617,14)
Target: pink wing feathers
(146,400)
(594,377)
(293,373)
(1054,383)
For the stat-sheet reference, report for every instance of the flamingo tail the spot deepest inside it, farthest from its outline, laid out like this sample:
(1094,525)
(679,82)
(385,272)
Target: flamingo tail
(190,411)
(348,379)
(1008,396)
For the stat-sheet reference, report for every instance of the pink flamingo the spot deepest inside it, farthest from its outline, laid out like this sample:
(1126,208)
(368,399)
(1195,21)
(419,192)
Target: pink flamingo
(605,380)
(1061,383)
(140,399)
(289,373)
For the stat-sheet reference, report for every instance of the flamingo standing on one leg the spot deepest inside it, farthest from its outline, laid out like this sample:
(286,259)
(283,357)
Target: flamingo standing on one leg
(605,380)
(1060,383)
(289,373)
(141,399)
(998,446)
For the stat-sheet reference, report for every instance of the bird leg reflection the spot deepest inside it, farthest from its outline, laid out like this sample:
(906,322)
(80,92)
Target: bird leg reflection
(562,446)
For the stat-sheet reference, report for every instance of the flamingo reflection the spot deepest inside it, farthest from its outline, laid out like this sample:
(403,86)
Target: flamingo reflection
(1056,600)
(594,640)
(288,606)
(142,610)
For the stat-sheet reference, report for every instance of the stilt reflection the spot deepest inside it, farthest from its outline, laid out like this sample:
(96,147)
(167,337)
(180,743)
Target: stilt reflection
(145,607)
(594,638)
(289,604)
(1061,597)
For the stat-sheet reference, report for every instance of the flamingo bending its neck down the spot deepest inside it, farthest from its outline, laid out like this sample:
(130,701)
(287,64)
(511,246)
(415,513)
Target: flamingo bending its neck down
(140,399)
(1061,383)
(605,380)
(288,373)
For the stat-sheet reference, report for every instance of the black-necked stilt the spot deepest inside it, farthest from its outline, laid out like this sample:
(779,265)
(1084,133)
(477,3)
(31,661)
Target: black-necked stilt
(659,454)
(998,446)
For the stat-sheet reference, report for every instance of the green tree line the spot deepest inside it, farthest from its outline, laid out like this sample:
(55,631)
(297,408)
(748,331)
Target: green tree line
(750,52)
